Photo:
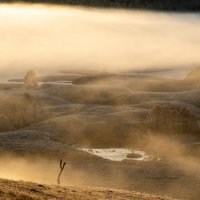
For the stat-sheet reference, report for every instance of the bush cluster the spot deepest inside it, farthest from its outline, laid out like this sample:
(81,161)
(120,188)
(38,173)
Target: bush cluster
(19,112)
(173,118)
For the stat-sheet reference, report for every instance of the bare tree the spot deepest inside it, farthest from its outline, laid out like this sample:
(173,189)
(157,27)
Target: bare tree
(62,166)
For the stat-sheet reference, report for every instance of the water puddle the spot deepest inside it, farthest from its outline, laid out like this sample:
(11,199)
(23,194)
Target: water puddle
(61,83)
(40,83)
(120,154)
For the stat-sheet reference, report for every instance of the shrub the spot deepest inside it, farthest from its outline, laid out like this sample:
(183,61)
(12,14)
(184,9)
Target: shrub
(19,112)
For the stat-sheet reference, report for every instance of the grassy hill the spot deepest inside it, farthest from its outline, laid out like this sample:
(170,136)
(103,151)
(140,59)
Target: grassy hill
(100,111)
(30,191)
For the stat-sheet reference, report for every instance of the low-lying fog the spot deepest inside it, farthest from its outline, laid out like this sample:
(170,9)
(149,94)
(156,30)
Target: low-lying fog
(159,117)
(40,37)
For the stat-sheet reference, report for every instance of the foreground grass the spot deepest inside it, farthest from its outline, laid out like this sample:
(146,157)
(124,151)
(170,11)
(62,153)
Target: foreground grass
(29,191)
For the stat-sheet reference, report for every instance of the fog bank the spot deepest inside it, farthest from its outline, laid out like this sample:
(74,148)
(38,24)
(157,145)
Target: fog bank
(40,37)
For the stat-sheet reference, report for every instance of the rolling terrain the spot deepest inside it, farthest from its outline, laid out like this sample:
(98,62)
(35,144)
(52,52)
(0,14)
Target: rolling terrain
(100,111)
(111,107)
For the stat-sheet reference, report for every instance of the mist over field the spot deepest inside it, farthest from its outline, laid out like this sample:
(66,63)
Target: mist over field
(113,93)
(61,37)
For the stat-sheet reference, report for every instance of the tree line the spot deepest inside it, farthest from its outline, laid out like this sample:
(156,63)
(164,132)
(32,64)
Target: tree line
(175,5)
(173,119)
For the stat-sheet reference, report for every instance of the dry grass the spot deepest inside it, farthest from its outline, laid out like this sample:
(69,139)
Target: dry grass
(31,191)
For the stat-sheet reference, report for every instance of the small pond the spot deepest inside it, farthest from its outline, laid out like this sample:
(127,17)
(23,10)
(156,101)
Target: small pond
(41,83)
(120,154)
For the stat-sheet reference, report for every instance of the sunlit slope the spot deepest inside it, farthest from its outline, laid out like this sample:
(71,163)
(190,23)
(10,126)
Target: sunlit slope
(31,143)
(88,114)
(190,97)
(116,94)
(26,190)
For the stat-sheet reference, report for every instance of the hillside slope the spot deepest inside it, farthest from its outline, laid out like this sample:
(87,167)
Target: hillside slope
(30,191)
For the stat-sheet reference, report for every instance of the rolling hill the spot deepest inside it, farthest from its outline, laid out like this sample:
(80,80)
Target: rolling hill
(30,191)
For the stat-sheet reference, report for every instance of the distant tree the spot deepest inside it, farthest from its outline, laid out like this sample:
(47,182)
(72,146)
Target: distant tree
(30,79)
